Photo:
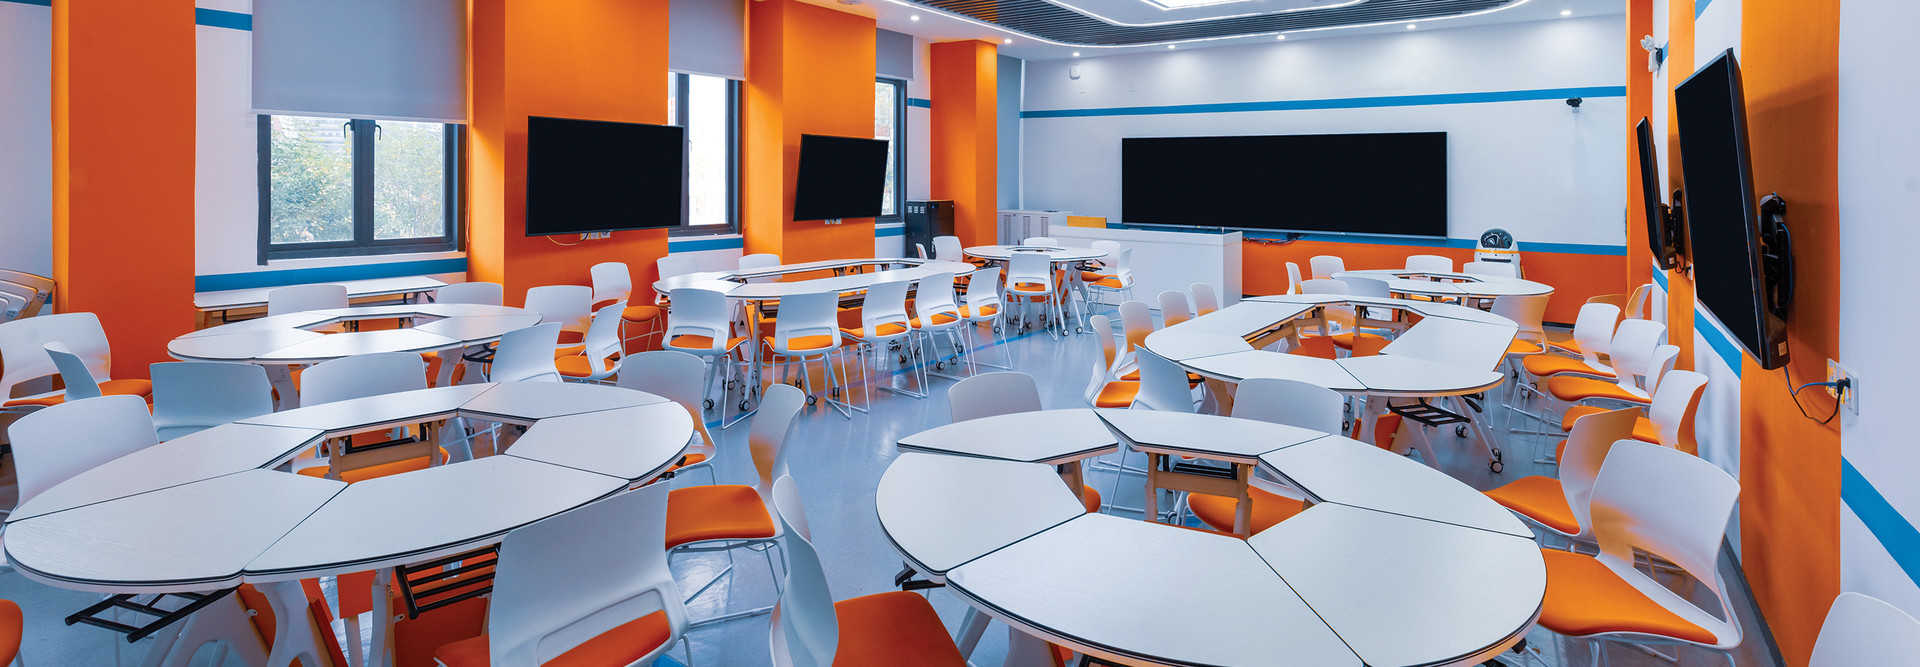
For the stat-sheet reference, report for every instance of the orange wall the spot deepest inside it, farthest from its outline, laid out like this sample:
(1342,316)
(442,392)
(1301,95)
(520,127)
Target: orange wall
(592,59)
(1679,64)
(1574,277)
(123,151)
(965,136)
(1639,105)
(810,70)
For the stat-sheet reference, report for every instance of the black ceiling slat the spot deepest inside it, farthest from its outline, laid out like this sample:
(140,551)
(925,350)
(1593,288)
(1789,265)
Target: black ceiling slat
(1046,20)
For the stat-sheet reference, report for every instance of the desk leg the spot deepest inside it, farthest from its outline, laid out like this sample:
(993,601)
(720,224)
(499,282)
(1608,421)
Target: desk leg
(1364,416)
(972,627)
(1222,392)
(281,377)
(225,621)
(294,635)
(1071,474)
(381,653)
(1243,508)
(1025,650)
(1152,500)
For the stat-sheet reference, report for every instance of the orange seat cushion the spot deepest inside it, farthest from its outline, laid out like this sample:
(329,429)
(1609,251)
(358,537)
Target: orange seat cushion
(1117,395)
(141,388)
(716,512)
(580,366)
(885,329)
(1569,345)
(640,313)
(1524,347)
(623,645)
(1540,499)
(1269,509)
(1316,346)
(1090,497)
(893,628)
(689,459)
(698,342)
(1542,365)
(1571,388)
(1108,282)
(985,311)
(376,471)
(803,343)
(569,351)
(1030,288)
(1090,276)
(1644,429)
(1346,340)
(12,628)
(937,319)
(1585,598)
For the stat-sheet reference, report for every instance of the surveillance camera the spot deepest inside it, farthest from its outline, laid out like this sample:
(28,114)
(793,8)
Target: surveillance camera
(1574,103)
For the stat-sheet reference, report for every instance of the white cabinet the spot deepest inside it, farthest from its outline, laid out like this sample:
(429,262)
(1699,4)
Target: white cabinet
(1017,226)
(1169,260)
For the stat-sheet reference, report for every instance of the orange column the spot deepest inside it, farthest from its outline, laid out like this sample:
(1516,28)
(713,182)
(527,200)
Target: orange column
(590,59)
(1679,66)
(1639,105)
(966,136)
(810,70)
(123,151)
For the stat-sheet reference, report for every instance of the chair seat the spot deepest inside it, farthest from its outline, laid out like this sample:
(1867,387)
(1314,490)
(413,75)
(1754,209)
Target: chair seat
(640,313)
(1134,376)
(1644,429)
(12,630)
(579,366)
(1093,276)
(893,628)
(1316,346)
(1108,282)
(985,311)
(1269,509)
(1117,395)
(1570,388)
(690,459)
(802,343)
(1584,598)
(935,319)
(623,645)
(1345,340)
(1090,497)
(1569,346)
(696,342)
(1031,288)
(1525,347)
(1540,499)
(1542,365)
(376,471)
(141,388)
(716,512)
(883,331)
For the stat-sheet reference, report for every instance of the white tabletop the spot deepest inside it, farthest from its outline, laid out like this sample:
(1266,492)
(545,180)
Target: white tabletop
(1140,591)
(1003,253)
(354,343)
(221,450)
(1458,342)
(239,344)
(630,443)
(941,511)
(1340,470)
(1046,436)
(733,283)
(275,322)
(377,411)
(1406,591)
(1452,285)
(476,330)
(853,282)
(1182,345)
(528,401)
(1250,364)
(257,296)
(1207,436)
(288,339)
(1388,375)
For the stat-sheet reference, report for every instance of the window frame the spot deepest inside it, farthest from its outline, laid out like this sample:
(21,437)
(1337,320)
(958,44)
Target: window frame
(682,88)
(365,135)
(899,151)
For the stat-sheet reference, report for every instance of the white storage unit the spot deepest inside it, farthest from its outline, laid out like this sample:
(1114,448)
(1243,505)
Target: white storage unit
(1017,226)
(1169,260)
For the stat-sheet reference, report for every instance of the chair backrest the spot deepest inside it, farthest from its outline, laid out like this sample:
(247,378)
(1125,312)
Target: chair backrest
(298,298)
(1672,505)
(1430,263)
(22,294)
(1112,250)
(675,376)
(1587,446)
(611,281)
(1861,630)
(1593,330)
(1120,265)
(700,312)
(934,294)
(767,435)
(803,631)
(1030,268)
(1293,278)
(1325,286)
(886,303)
(70,438)
(948,249)
(485,294)
(922,249)
(570,306)
(567,579)
(1174,308)
(1530,312)
(23,352)
(73,372)
(1163,385)
(1290,402)
(1042,241)
(1638,301)
(1674,405)
(526,355)
(192,395)
(759,261)
(364,375)
(1664,358)
(603,335)
(809,316)
(1136,321)
(1497,269)
(675,265)
(990,394)
(983,289)
(1364,286)
(1631,350)
(1102,329)
(1204,300)
(1324,266)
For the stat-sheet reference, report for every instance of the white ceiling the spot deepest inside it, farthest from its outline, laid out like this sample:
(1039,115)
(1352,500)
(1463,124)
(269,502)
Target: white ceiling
(934,25)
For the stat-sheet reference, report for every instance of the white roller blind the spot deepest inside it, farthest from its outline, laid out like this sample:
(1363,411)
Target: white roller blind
(708,37)
(893,54)
(394,59)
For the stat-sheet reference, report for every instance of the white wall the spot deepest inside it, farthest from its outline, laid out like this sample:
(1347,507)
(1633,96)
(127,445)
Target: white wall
(1533,167)
(1879,193)
(26,138)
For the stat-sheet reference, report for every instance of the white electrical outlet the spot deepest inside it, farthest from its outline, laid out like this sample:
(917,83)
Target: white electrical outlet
(1850,399)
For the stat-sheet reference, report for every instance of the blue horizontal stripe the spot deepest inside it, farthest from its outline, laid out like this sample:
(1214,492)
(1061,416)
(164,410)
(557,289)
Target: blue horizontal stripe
(1660,278)
(1341,103)
(920,102)
(881,232)
(1886,523)
(36,3)
(214,18)
(1718,339)
(1416,242)
(1575,248)
(327,274)
(699,244)
(1700,7)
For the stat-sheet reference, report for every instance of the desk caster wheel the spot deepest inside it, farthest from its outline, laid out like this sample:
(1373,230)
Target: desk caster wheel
(709,404)
(1496,466)
(743,405)
(1460,431)
(939,365)
(812,399)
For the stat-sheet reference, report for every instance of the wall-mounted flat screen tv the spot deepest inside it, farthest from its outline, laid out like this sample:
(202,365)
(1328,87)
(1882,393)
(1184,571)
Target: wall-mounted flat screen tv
(1662,235)
(588,176)
(1390,183)
(840,177)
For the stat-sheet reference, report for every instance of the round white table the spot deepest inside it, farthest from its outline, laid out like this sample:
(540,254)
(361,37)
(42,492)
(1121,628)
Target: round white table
(1468,287)
(1393,563)
(281,342)
(1003,254)
(214,509)
(736,285)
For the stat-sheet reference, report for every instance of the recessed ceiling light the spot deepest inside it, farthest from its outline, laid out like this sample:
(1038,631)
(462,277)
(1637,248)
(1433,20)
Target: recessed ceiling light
(1076,54)
(1280,37)
(1411,26)
(1008,40)
(1169,46)
(914,17)
(1566,12)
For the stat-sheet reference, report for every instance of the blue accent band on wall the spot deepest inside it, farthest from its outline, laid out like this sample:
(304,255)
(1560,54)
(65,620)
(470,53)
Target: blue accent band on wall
(920,102)
(36,3)
(1341,103)
(1465,244)
(1660,278)
(1717,338)
(214,18)
(881,232)
(699,244)
(327,274)
(1700,7)
(1886,523)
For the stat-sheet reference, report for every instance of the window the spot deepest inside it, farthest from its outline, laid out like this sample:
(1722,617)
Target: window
(889,123)
(707,106)
(336,187)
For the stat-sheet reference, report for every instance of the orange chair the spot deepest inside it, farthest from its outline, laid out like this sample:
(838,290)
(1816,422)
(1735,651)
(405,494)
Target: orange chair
(12,628)
(1006,392)
(1285,402)
(1560,505)
(1669,419)
(1103,391)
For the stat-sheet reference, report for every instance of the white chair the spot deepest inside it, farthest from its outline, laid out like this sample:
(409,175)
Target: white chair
(568,587)
(1174,308)
(1495,269)
(1136,323)
(1658,501)
(301,298)
(1030,281)
(600,347)
(1293,278)
(983,307)
(1003,393)
(676,265)
(936,313)
(1324,266)
(1163,385)
(1561,505)
(73,372)
(191,396)
(1669,420)
(948,249)
(701,324)
(1104,390)
(1041,241)
(485,294)
(1204,300)
(1286,402)
(571,306)
(1116,278)
(1592,333)
(1430,263)
(807,328)
(759,261)
(1632,355)
(1529,312)
(526,355)
(1861,630)
(884,322)
(612,281)
(23,294)
(23,358)
(1372,288)
(64,440)
(805,628)
(678,377)
(362,375)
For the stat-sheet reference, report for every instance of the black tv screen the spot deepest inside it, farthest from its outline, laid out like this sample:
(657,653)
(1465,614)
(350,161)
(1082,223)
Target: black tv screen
(1664,254)
(1722,214)
(840,177)
(1393,183)
(597,176)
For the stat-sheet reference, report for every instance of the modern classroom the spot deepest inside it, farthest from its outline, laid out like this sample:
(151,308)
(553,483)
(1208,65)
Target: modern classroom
(1037,333)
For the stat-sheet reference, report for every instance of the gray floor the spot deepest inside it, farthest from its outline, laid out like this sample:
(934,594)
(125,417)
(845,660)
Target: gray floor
(838,462)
